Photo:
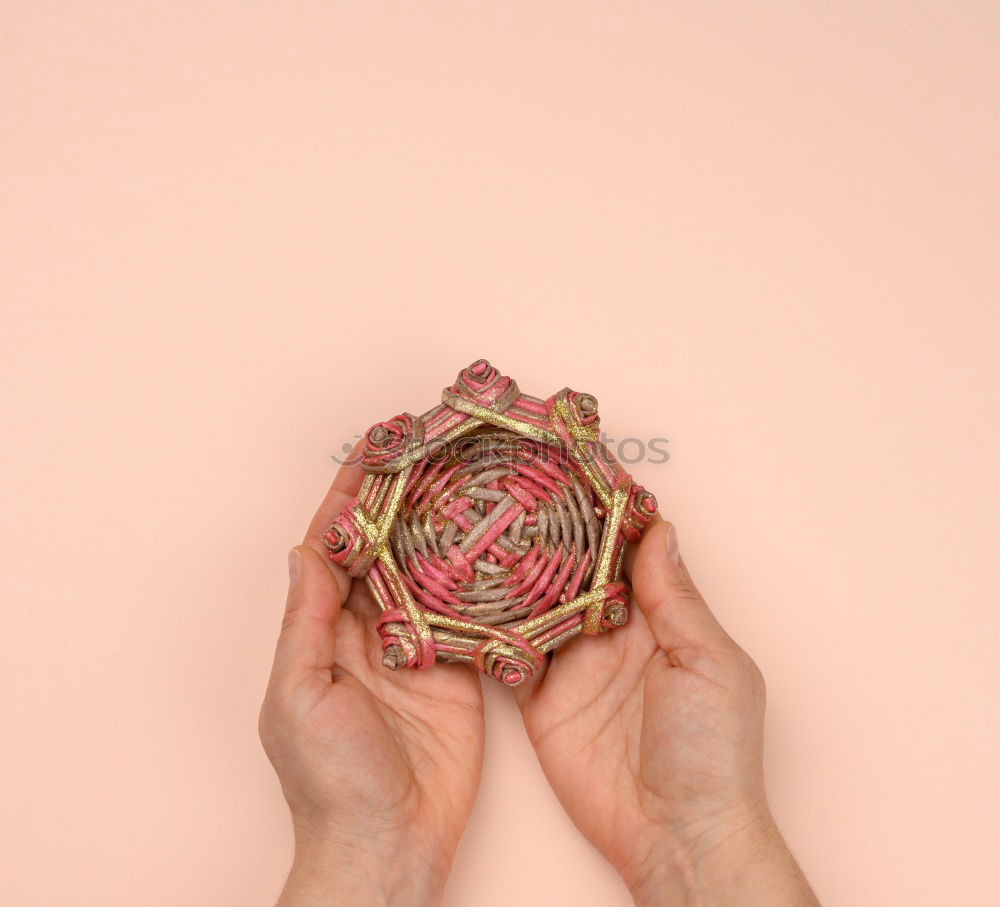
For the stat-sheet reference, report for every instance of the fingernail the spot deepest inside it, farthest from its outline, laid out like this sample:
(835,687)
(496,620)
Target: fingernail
(294,566)
(673,552)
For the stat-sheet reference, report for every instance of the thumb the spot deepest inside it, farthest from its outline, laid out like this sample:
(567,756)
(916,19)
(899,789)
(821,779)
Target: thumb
(307,642)
(673,607)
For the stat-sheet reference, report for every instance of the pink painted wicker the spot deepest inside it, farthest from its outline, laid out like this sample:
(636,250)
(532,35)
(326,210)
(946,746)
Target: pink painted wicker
(491,529)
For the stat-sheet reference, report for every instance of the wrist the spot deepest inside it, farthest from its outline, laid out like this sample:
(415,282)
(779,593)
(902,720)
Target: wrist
(336,868)
(740,860)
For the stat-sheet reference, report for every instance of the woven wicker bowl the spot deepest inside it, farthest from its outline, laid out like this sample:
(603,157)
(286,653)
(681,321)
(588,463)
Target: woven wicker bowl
(491,529)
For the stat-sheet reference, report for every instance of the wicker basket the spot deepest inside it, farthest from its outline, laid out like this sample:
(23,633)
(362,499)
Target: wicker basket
(492,528)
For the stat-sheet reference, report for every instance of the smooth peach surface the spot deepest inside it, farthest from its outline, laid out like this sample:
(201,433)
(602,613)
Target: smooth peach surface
(235,235)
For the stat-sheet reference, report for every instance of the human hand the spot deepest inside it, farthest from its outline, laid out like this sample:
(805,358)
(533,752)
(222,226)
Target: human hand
(652,738)
(379,770)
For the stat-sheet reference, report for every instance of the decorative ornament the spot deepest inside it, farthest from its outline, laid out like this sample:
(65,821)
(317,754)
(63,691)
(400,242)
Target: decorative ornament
(491,529)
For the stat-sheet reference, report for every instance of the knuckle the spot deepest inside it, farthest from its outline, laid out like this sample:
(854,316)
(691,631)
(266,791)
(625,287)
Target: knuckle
(685,592)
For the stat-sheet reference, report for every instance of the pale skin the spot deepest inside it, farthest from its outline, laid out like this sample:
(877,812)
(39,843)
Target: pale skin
(651,736)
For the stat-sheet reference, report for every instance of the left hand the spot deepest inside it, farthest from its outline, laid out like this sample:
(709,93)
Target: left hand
(380,770)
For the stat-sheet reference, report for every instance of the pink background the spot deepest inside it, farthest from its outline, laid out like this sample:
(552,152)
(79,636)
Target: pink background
(235,234)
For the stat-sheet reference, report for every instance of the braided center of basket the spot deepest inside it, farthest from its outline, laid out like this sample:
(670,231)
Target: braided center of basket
(500,530)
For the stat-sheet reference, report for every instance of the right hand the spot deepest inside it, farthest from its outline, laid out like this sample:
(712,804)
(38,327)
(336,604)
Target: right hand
(652,738)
